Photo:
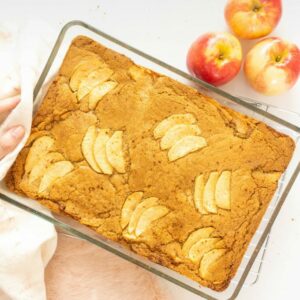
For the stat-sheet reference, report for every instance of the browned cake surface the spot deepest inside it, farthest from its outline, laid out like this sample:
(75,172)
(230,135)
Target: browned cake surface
(151,163)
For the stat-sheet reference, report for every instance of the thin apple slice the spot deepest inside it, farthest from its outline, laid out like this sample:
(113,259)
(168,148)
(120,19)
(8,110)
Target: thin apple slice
(135,72)
(138,73)
(222,193)
(176,133)
(209,201)
(201,247)
(198,194)
(87,147)
(40,168)
(54,172)
(186,145)
(96,77)
(140,208)
(34,136)
(266,178)
(114,151)
(89,61)
(38,150)
(162,128)
(208,261)
(194,237)
(99,92)
(148,216)
(100,152)
(83,70)
(129,206)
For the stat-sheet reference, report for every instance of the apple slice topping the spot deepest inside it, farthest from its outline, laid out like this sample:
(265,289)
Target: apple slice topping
(162,128)
(114,151)
(201,247)
(222,193)
(40,168)
(129,206)
(82,71)
(147,203)
(194,237)
(96,77)
(198,194)
(186,145)
(99,92)
(87,147)
(209,193)
(100,151)
(137,214)
(208,264)
(91,78)
(180,135)
(138,73)
(54,172)
(176,133)
(150,215)
(266,178)
(205,251)
(213,194)
(144,77)
(104,153)
(38,150)
(43,165)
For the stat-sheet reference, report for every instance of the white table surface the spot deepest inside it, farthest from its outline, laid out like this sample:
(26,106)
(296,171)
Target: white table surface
(165,29)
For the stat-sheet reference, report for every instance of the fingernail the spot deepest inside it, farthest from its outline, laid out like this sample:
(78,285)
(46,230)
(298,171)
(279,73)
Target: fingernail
(17,132)
(17,101)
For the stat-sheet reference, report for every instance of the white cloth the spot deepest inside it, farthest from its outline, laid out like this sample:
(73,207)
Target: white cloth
(26,242)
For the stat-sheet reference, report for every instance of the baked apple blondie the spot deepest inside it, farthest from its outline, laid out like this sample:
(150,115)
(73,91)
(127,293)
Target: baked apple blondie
(151,163)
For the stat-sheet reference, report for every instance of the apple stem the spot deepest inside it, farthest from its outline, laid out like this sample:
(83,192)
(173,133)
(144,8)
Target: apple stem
(278,58)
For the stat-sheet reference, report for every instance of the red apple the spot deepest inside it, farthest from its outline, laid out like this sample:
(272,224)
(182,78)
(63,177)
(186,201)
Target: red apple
(272,66)
(215,57)
(251,19)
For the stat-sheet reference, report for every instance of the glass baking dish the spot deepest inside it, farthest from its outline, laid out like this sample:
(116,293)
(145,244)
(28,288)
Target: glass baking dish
(265,113)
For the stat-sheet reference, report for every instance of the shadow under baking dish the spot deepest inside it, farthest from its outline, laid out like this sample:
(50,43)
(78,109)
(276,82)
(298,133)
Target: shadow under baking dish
(267,114)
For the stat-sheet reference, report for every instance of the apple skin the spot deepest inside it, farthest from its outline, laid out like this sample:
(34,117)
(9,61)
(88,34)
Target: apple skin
(272,66)
(215,57)
(251,19)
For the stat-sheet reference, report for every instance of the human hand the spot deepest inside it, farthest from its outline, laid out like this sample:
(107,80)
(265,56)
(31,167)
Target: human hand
(13,136)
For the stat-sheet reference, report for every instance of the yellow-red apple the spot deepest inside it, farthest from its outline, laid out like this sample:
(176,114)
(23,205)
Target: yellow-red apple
(215,57)
(251,19)
(272,66)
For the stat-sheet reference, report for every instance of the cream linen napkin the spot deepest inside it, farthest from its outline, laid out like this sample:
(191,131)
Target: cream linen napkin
(26,242)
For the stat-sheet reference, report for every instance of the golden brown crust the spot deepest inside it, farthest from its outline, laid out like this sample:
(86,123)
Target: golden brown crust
(253,154)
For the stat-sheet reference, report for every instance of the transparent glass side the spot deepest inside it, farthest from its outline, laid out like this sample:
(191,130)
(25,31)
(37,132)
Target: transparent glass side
(249,108)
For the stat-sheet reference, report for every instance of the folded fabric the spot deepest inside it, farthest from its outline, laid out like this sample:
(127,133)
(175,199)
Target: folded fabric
(26,242)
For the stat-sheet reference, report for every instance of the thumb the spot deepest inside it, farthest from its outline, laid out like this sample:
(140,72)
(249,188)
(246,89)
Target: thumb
(10,139)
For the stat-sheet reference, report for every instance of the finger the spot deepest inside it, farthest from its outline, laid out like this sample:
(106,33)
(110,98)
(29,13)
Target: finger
(10,139)
(8,104)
